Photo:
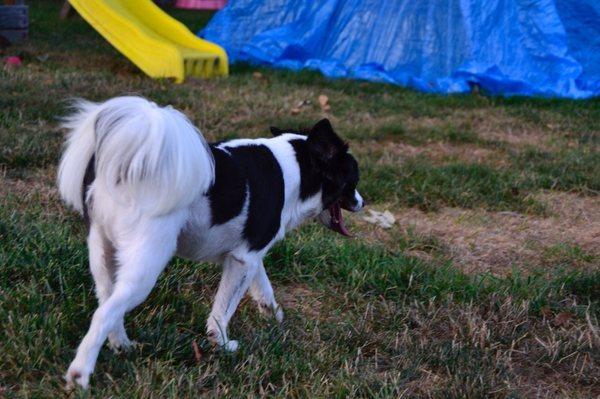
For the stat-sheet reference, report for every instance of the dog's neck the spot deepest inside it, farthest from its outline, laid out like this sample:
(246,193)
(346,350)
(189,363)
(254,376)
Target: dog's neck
(302,211)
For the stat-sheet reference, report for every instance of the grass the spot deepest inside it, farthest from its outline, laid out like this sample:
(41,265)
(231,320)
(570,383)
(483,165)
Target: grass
(568,170)
(419,183)
(394,314)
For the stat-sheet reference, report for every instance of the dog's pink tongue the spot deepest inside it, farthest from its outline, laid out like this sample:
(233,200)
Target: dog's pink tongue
(337,220)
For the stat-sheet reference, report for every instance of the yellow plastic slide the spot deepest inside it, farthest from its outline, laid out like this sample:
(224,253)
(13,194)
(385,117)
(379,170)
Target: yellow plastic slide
(159,45)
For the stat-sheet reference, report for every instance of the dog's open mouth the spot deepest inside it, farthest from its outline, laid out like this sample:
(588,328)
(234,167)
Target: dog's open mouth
(337,220)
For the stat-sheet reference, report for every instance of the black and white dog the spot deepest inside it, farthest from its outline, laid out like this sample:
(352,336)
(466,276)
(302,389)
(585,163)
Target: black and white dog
(150,187)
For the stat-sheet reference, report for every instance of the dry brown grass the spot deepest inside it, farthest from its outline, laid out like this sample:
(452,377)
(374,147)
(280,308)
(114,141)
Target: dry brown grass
(477,240)
(485,241)
(395,153)
(492,130)
(35,188)
(302,299)
(533,357)
(497,125)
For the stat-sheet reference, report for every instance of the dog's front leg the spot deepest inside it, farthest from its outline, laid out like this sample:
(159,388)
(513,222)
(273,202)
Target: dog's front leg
(238,273)
(262,292)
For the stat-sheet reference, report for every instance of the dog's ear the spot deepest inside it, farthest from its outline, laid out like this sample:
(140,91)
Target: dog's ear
(323,143)
(275,131)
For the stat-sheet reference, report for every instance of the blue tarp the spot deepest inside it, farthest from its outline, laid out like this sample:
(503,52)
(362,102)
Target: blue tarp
(508,47)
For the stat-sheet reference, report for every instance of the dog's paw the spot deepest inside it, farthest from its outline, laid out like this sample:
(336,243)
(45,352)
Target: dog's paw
(118,341)
(273,310)
(230,346)
(123,345)
(215,336)
(76,377)
(279,314)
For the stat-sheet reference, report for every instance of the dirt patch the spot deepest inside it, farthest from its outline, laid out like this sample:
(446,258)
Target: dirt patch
(496,125)
(484,241)
(299,298)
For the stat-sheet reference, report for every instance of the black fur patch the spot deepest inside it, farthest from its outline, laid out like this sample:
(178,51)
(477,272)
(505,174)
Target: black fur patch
(340,181)
(275,131)
(310,183)
(228,193)
(254,167)
(325,164)
(110,258)
(88,179)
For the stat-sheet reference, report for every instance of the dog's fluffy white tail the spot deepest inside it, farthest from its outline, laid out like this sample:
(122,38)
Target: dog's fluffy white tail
(145,156)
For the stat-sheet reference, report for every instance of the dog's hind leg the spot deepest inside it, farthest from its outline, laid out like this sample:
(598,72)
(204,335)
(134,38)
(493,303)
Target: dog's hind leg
(102,262)
(238,273)
(262,292)
(103,265)
(142,254)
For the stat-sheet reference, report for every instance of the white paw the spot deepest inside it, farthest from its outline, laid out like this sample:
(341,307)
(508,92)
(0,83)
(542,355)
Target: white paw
(271,310)
(122,345)
(231,346)
(279,314)
(215,336)
(76,376)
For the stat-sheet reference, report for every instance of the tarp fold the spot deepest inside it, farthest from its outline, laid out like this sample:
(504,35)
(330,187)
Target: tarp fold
(508,47)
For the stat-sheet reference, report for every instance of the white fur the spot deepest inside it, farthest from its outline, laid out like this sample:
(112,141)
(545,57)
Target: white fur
(80,146)
(202,242)
(146,156)
(360,203)
(143,251)
(150,165)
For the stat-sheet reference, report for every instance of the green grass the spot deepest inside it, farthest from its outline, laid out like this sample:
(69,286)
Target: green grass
(568,170)
(367,296)
(379,317)
(419,183)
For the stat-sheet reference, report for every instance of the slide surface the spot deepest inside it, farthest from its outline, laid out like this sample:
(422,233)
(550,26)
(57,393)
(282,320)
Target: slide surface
(159,45)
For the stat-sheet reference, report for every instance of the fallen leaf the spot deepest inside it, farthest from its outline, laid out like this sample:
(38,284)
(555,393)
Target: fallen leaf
(295,111)
(260,77)
(383,219)
(562,318)
(323,100)
(546,312)
(197,353)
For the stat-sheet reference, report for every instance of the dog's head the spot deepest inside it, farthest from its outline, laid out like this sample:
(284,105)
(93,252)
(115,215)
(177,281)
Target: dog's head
(337,171)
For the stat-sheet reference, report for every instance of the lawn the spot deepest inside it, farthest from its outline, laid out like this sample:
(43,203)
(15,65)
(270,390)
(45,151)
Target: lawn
(487,285)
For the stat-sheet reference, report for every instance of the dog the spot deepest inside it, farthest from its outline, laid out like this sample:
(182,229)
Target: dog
(150,187)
